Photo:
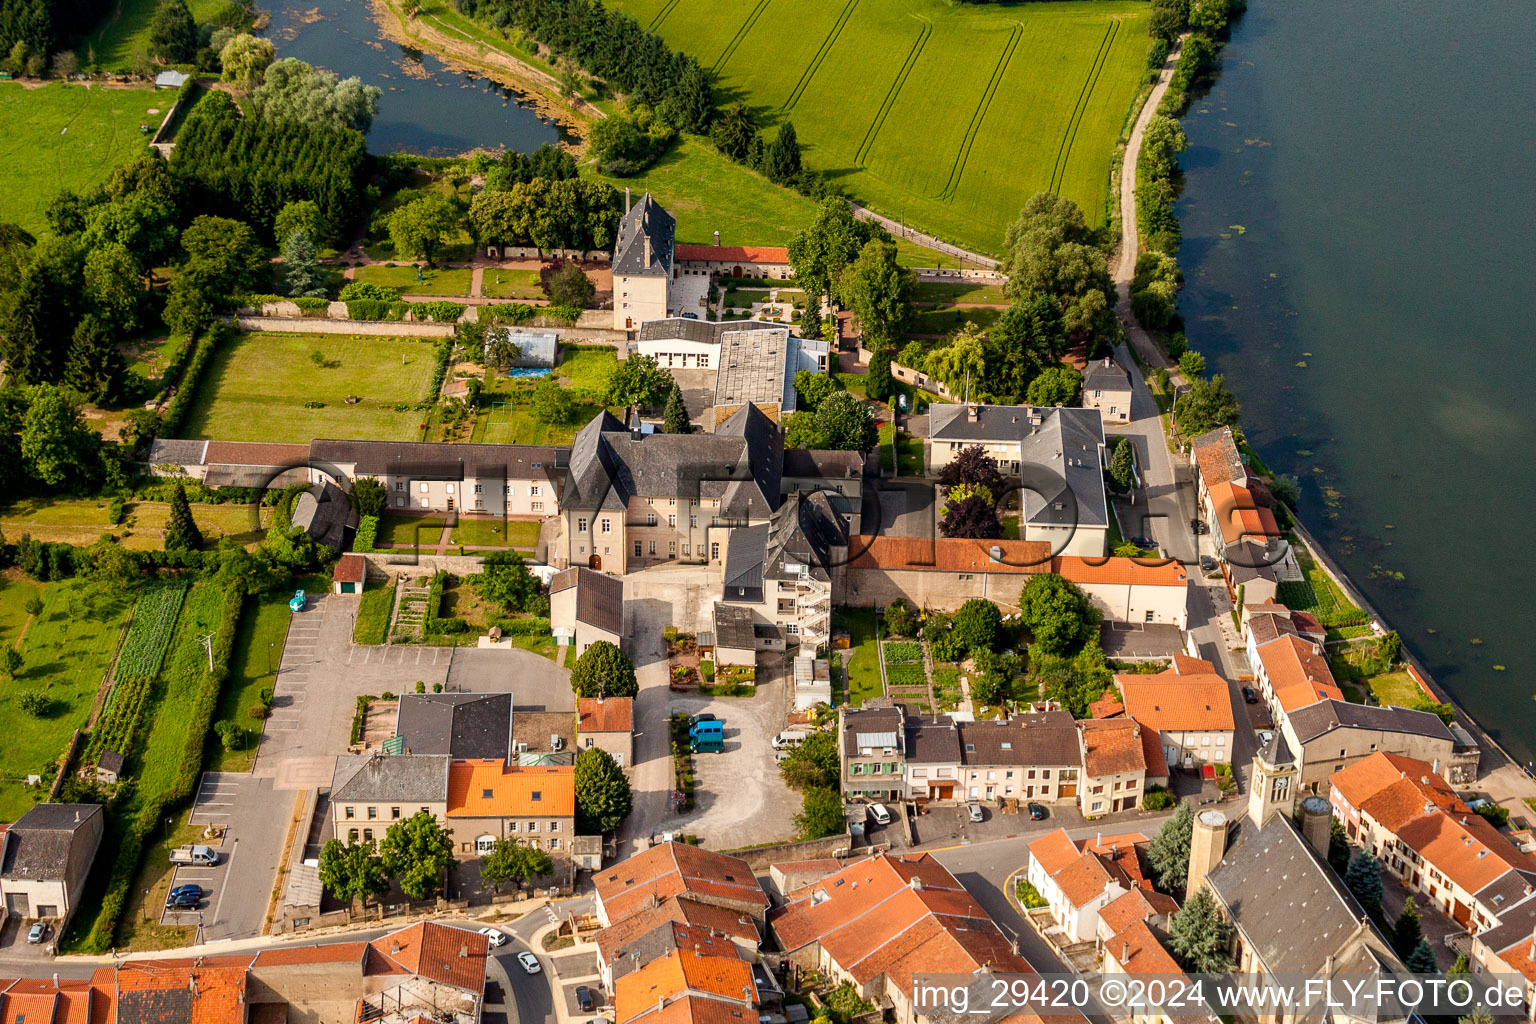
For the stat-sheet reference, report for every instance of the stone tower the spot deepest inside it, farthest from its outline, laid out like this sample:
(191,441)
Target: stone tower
(1274,783)
(1207,842)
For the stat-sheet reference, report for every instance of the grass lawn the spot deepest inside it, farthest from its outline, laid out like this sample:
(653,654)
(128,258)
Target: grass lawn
(453,281)
(948,319)
(1395,688)
(508,417)
(124,32)
(66,654)
(886,432)
(587,369)
(84,520)
(1317,594)
(256,386)
(15,591)
(518,533)
(258,653)
(67,136)
(909,455)
(864,667)
(410,531)
(960,291)
(511,284)
(373,615)
(139,926)
(543,645)
(946,116)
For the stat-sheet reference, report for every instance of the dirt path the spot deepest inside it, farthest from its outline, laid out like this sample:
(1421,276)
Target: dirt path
(902,231)
(1130,242)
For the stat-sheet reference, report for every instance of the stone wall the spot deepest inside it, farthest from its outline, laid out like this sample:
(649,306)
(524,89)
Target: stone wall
(405,561)
(760,857)
(943,274)
(319,325)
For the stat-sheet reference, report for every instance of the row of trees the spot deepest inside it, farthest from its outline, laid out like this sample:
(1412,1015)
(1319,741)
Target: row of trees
(565,213)
(738,135)
(43,27)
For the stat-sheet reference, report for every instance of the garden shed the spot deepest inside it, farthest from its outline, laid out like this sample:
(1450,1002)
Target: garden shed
(351,573)
(536,349)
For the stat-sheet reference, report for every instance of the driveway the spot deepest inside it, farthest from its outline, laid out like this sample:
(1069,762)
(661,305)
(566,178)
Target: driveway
(906,509)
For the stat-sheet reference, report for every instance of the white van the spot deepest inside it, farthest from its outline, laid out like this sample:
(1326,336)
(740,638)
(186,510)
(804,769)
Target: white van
(789,737)
(880,813)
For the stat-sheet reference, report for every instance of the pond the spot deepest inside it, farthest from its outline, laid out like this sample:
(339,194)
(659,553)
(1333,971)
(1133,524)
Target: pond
(427,107)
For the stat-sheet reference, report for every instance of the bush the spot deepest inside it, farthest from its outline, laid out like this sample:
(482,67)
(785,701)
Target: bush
(509,313)
(1029,897)
(33,702)
(367,533)
(707,671)
(1156,798)
(900,618)
(117,511)
(202,351)
(368,290)
(368,309)
(438,312)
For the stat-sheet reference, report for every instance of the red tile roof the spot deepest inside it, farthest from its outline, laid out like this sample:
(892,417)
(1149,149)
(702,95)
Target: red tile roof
(1217,458)
(756,254)
(675,869)
(1137,951)
(699,1010)
(451,956)
(1298,673)
(1019,557)
(682,972)
(679,910)
(494,789)
(341,952)
(1135,906)
(1152,753)
(1111,746)
(1238,515)
(1190,697)
(610,714)
(1106,707)
(255,453)
(350,568)
(163,992)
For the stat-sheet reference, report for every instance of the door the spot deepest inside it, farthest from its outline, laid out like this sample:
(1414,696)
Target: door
(595,563)
(349,588)
(1068,790)
(450,504)
(16,904)
(45,910)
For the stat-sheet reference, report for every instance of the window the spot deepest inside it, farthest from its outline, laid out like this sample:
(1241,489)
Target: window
(714,550)
(450,488)
(1149,614)
(686,549)
(423,810)
(351,835)
(511,826)
(479,503)
(672,547)
(394,814)
(367,835)
(650,519)
(581,525)
(554,844)
(637,549)
(792,628)
(1098,805)
(533,826)
(373,813)
(607,526)
(671,503)
(537,506)
(693,521)
(351,813)
(967,576)
(672,521)
(399,485)
(554,826)
(534,491)
(423,488)
(537,796)
(486,794)
(703,360)
(485,843)
(651,547)
(479,488)
(510,491)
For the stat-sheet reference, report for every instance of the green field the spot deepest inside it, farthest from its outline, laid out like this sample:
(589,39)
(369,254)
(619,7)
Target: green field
(947,116)
(481,533)
(67,650)
(256,386)
(511,284)
(258,653)
(451,281)
(510,419)
(125,32)
(68,136)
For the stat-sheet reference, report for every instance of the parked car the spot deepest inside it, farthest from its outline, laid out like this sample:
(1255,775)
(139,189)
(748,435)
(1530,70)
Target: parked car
(880,814)
(584,1000)
(38,933)
(974,812)
(702,716)
(530,962)
(690,316)
(184,901)
(1264,737)
(1143,542)
(1207,563)
(782,756)
(495,936)
(1249,696)
(1198,525)
(1036,812)
(195,889)
(195,853)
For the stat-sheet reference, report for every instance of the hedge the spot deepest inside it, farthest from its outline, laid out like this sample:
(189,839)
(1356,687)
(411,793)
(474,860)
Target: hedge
(367,531)
(395,310)
(438,312)
(444,355)
(513,313)
(203,348)
(523,627)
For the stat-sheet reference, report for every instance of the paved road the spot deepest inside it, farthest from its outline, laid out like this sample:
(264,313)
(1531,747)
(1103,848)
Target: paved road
(1167,500)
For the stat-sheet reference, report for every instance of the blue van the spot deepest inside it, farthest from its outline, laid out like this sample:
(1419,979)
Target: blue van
(707,746)
(707,736)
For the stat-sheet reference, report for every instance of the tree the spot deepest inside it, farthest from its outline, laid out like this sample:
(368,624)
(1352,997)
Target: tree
(1421,960)
(301,266)
(1406,930)
(844,423)
(961,364)
(675,418)
(973,517)
(292,90)
(1122,465)
(1286,489)
(421,227)
(976,624)
(510,861)
(821,814)
(734,131)
(10,661)
(301,215)
(181,532)
(55,442)
(95,367)
(112,280)
(352,871)
(1192,364)
(900,618)
(1056,613)
(369,498)
(1168,852)
(552,402)
(38,314)
(604,671)
(879,291)
(603,799)
(1028,338)
(1057,386)
(1206,405)
(173,33)
(813,388)
(223,257)
(1200,936)
(1338,847)
(417,851)
(245,58)
(35,703)
(831,242)
(781,160)
(1363,878)
(496,342)
(972,465)
(1050,250)
(506,580)
(1168,19)
(812,763)
(639,380)
(879,385)
(570,286)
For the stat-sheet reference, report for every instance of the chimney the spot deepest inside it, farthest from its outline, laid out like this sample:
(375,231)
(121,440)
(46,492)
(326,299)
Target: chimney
(717,239)
(1125,953)
(1435,766)
(55,980)
(972,413)
(647,250)
(1328,966)
(77,816)
(463,950)
(1533,942)
(1208,841)
(626,198)
(916,883)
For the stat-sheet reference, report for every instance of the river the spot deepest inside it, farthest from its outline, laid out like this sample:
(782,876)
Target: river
(427,107)
(1360,265)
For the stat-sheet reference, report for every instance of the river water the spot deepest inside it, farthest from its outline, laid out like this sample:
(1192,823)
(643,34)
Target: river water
(1360,260)
(427,107)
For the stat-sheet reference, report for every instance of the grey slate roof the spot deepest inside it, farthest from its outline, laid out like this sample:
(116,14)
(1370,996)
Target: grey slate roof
(1105,375)
(764,449)
(1047,737)
(406,777)
(473,725)
(599,597)
(38,844)
(755,366)
(733,628)
(742,580)
(1276,891)
(704,332)
(803,532)
(1059,452)
(440,461)
(875,727)
(324,512)
(933,740)
(645,220)
(825,465)
(1267,626)
(169,451)
(1315,720)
